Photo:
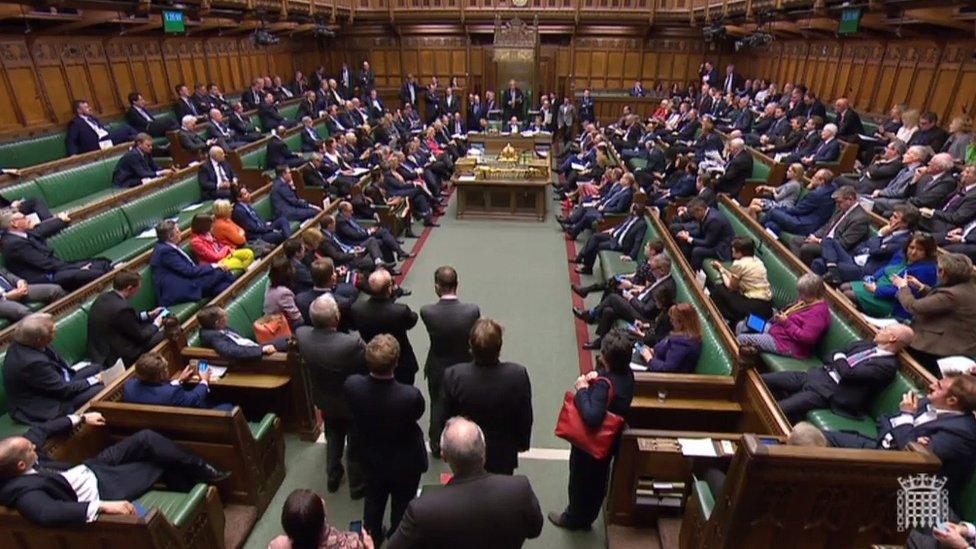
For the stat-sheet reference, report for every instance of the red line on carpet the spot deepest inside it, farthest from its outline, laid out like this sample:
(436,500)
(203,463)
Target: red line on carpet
(419,245)
(582,333)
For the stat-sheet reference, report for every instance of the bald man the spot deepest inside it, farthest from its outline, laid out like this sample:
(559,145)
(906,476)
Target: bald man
(848,383)
(380,314)
(51,493)
(475,509)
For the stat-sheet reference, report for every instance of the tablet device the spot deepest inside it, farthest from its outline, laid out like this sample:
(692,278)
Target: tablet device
(756,324)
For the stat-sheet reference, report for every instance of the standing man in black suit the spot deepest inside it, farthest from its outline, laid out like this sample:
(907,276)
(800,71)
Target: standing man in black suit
(476,509)
(496,395)
(331,358)
(512,99)
(324,282)
(116,330)
(381,315)
(448,323)
(733,81)
(139,117)
(709,75)
(712,238)
(409,91)
(137,165)
(345,81)
(848,382)
(386,439)
(53,493)
(367,79)
(40,385)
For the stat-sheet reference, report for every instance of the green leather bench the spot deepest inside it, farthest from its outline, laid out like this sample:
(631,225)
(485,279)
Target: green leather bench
(610,263)
(69,188)
(177,507)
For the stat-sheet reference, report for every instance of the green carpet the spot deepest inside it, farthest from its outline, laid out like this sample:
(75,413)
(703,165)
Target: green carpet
(517,273)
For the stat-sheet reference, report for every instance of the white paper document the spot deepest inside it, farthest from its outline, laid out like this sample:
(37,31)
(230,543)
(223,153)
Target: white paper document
(955,365)
(697,447)
(148,233)
(192,207)
(466,178)
(113,373)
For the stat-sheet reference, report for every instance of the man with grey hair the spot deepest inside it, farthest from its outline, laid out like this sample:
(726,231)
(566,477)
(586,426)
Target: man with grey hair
(189,139)
(224,135)
(476,509)
(737,169)
(331,357)
(216,176)
(827,151)
(310,136)
(40,385)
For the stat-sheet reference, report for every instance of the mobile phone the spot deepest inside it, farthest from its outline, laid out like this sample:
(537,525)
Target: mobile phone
(640,347)
(868,279)
(202,366)
(356,527)
(769,441)
(141,510)
(941,528)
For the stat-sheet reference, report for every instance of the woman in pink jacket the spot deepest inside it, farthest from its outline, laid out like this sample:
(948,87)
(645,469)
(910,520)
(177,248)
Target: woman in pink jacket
(796,330)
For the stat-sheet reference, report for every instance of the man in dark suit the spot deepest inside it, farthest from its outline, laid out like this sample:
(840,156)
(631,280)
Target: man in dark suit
(848,122)
(115,329)
(242,124)
(929,134)
(139,117)
(712,238)
(53,493)
(152,384)
(354,256)
(253,96)
(17,294)
(285,201)
(448,323)
(256,227)
(332,357)
(409,91)
(324,282)
(216,176)
(878,173)
(496,395)
(216,98)
(190,140)
(216,335)
(827,151)
(709,75)
(737,170)
(625,238)
(279,155)
(942,422)
(224,135)
(848,227)
(177,277)
(476,509)
(812,106)
(87,133)
(959,208)
(386,440)
(40,385)
(512,99)
(201,100)
(848,382)
(270,117)
(27,254)
(185,106)
(367,79)
(733,81)
(309,106)
(310,136)
(380,314)
(137,165)
(377,240)
(811,211)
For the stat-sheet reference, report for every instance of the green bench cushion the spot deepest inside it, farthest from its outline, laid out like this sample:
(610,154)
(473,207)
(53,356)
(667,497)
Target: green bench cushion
(26,189)
(760,170)
(90,237)
(74,184)
(177,507)
(71,339)
(706,500)
(34,150)
(261,429)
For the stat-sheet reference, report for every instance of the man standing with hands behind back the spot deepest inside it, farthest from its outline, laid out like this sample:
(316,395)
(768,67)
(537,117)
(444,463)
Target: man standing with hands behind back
(449,323)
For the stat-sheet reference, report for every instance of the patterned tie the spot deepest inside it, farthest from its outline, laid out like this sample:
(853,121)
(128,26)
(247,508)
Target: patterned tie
(954,201)
(856,358)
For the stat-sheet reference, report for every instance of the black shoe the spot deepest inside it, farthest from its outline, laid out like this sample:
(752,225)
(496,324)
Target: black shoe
(334,481)
(212,475)
(409,233)
(592,345)
(403,256)
(832,276)
(556,518)
(584,271)
(582,292)
(405,293)
(581,314)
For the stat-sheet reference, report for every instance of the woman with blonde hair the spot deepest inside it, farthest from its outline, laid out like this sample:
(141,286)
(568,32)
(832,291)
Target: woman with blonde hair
(679,351)
(909,125)
(960,136)
(783,196)
(229,233)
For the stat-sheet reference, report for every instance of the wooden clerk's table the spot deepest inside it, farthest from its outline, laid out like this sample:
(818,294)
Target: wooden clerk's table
(503,198)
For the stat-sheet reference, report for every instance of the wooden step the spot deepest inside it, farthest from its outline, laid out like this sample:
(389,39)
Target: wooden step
(625,537)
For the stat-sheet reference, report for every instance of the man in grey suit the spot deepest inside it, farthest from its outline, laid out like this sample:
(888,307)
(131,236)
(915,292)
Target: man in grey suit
(16,293)
(449,324)
(331,357)
(848,227)
(566,118)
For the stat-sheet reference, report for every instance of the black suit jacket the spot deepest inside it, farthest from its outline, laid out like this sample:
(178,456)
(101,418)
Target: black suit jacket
(449,324)
(331,357)
(737,171)
(31,258)
(858,385)
(278,153)
(226,347)
(182,108)
(475,511)
(137,121)
(849,125)
(378,315)
(132,168)
(35,383)
(191,141)
(498,397)
(387,440)
(270,117)
(115,330)
(207,178)
(931,192)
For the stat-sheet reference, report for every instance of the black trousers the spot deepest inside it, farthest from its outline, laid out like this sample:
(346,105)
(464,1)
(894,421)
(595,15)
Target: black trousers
(73,276)
(128,469)
(794,398)
(735,306)
(434,380)
(587,486)
(614,307)
(336,432)
(379,489)
(599,241)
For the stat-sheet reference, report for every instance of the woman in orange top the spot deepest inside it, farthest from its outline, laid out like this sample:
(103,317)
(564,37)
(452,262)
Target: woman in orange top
(231,234)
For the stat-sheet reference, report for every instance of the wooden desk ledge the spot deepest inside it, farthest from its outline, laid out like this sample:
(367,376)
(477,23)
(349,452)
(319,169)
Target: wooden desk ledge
(672,403)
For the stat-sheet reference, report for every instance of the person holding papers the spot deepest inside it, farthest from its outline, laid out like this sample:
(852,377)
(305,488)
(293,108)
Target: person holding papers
(743,288)
(678,352)
(875,295)
(40,385)
(116,330)
(848,382)
(152,385)
(782,196)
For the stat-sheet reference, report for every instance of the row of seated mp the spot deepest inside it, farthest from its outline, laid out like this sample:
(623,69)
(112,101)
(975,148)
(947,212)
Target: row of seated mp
(815,496)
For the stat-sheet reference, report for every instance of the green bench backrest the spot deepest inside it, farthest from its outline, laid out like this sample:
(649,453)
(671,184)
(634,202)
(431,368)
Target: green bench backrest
(145,298)
(91,236)
(36,150)
(77,182)
(291,111)
(256,159)
(251,300)
(760,170)
(71,340)
(162,204)
(294,142)
(263,208)
(27,189)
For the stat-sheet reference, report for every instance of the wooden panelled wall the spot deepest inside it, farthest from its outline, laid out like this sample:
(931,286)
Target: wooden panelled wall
(40,77)
(927,75)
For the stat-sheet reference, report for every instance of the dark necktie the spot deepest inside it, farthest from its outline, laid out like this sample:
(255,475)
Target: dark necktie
(954,201)
(190,104)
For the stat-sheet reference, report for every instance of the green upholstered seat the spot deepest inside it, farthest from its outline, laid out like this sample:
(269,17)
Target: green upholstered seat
(26,189)
(251,300)
(760,170)
(71,340)
(35,150)
(238,319)
(72,187)
(261,429)
(702,492)
(263,208)
(256,159)
(92,236)
(177,507)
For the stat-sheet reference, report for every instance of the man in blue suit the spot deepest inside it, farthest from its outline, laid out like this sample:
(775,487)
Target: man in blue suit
(625,238)
(711,238)
(942,422)
(177,277)
(256,227)
(377,240)
(137,165)
(285,201)
(152,385)
(217,335)
(618,201)
(310,136)
(810,212)
(878,250)
(87,133)
(827,151)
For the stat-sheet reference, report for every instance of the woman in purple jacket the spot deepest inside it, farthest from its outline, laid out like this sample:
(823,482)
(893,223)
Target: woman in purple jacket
(679,351)
(796,330)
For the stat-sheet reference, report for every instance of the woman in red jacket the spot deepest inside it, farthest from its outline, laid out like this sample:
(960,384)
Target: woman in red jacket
(207,249)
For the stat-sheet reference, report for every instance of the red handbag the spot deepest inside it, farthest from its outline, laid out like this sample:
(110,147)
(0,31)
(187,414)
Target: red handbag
(596,442)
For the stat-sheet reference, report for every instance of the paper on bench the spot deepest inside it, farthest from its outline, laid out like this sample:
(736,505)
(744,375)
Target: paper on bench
(192,207)
(113,373)
(79,365)
(697,447)
(148,233)
(466,178)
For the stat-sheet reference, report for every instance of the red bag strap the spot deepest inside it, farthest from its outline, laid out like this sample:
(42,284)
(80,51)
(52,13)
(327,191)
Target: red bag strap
(611,394)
